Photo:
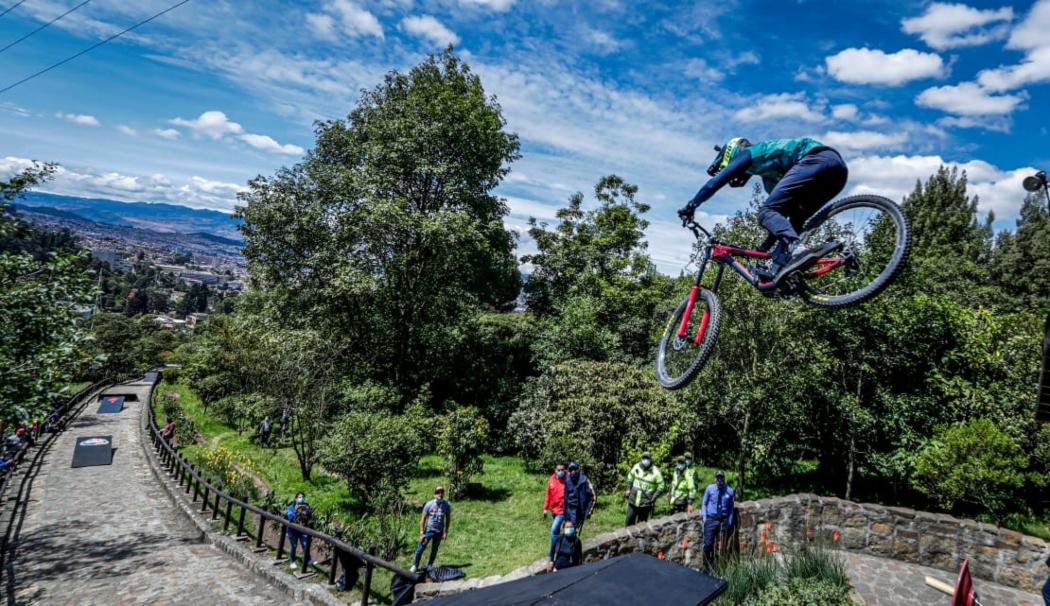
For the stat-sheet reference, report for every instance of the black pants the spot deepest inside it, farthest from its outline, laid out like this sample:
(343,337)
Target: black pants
(715,532)
(351,566)
(637,514)
(815,180)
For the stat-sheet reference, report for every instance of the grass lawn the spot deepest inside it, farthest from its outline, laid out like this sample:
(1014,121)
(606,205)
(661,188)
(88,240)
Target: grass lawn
(497,527)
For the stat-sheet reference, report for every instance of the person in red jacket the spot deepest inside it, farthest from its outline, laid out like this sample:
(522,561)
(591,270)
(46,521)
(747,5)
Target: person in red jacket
(554,502)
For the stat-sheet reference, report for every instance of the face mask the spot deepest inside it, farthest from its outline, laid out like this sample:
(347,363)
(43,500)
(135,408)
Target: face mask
(681,466)
(299,499)
(570,532)
(720,482)
(560,473)
(646,462)
(688,462)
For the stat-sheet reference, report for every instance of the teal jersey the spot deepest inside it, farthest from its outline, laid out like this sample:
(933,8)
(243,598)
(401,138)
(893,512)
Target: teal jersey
(772,158)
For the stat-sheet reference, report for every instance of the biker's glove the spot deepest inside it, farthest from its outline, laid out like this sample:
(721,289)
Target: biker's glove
(686,213)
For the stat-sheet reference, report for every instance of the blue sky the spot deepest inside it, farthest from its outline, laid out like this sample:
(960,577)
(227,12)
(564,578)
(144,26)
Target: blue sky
(191,106)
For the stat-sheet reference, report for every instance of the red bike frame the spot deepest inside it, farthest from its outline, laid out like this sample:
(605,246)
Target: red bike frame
(725,255)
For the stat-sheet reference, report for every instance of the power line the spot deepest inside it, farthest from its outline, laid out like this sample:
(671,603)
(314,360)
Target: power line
(92,47)
(44,26)
(12,7)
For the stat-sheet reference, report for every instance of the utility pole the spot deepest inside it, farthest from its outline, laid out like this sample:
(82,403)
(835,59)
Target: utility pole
(1033,184)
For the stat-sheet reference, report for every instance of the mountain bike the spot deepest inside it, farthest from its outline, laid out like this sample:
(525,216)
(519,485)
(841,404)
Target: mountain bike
(864,243)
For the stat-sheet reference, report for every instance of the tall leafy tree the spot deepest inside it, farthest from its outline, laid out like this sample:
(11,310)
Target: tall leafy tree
(41,292)
(387,234)
(1022,258)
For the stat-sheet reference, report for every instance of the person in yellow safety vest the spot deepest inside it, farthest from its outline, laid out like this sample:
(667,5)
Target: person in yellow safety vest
(645,484)
(683,487)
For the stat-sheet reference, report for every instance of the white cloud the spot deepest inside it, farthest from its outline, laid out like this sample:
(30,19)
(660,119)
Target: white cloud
(945,26)
(845,111)
(266,143)
(496,5)
(197,192)
(81,119)
(968,99)
(213,124)
(701,70)
(323,25)
(356,21)
(862,140)
(895,176)
(166,133)
(1031,36)
(603,41)
(780,106)
(873,66)
(127,130)
(429,28)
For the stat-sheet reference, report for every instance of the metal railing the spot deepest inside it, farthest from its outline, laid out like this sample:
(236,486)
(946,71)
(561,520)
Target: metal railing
(190,479)
(60,416)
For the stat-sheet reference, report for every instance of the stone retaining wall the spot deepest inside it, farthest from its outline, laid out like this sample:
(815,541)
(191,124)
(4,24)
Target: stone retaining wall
(931,539)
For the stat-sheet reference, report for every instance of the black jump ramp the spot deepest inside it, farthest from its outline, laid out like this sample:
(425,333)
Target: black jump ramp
(110,404)
(93,450)
(621,581)
(153,377)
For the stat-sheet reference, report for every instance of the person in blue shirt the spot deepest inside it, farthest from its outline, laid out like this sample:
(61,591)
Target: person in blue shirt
(433,527)
(299,512)
(800,176)
(579,496)
(717,508)
(566,551)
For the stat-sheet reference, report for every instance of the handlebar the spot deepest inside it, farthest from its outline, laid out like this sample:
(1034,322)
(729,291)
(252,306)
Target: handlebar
(696,228)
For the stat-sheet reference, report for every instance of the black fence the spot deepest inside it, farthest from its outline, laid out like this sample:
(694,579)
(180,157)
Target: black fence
(234,512)
(57,420)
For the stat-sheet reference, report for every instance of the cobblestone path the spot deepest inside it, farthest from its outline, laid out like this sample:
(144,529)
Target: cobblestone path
(883,582)
(108,535)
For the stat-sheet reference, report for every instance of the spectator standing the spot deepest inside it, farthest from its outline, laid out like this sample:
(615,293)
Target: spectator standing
(554,500)
(567,551)
(683,488)
(579,497)
(691,470)
(645,484)
(433,527)
(299,512)
(265,428)
(285,418)
(717,509)
(168,432)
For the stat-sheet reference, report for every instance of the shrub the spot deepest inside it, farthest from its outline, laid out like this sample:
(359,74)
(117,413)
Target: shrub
(245,411)
(374,452)
(814,561)
(598,413)
(803,592)
(747,576)
(972,462)
(462,437)
(231,471)
(185,428)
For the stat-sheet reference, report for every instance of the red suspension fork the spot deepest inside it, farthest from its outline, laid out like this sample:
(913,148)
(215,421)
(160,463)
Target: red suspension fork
(688,310)
(703,326)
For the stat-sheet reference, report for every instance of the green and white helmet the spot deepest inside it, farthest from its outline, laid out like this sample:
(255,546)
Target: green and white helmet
(726,153)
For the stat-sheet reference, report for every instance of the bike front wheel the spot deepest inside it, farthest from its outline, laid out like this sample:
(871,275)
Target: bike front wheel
(874,237)
(688,339)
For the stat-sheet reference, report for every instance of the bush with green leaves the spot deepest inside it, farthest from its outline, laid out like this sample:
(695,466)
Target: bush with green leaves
(602,414)
(809,575)
(803,592)
(185,428)
(245,411)
(462,437)
(971,463)
(374,452)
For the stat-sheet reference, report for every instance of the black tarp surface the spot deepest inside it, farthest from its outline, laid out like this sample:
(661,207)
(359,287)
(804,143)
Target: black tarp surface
(110,404)
(93,450)
(152,377)
(621,581)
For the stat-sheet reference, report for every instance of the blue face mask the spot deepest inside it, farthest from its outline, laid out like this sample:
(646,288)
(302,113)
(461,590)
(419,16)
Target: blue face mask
(299,499)
(570,532)
(560,473)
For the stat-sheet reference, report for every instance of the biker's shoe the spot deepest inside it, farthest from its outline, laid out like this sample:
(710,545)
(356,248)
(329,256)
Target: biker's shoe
(802,256)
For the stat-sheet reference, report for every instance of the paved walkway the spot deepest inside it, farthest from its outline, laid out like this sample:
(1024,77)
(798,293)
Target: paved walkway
(108,535)
(883,582)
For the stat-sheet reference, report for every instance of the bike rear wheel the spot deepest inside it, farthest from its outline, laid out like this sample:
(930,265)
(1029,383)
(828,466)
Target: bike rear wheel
(875,237)
(680,358)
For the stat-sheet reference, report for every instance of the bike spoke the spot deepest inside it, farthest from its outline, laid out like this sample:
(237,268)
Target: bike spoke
(866,235)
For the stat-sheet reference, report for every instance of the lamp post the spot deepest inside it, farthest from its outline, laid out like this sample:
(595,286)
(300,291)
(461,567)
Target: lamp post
(1036,183)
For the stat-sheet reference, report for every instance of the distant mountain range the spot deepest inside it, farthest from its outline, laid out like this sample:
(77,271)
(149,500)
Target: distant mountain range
(153,216)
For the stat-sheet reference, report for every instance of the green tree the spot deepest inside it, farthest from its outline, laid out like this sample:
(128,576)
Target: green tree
(602,414)
(971,463)
(1022,258)
(41,295)
(593,285)
(374,452)
(462,437)
(387,234)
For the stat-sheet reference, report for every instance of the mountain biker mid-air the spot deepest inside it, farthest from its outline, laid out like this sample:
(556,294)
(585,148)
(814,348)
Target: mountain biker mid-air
(800,176)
